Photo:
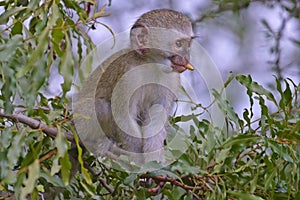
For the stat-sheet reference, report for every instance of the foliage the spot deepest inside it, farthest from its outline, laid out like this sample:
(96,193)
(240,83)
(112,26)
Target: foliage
(29,51)
(254,156)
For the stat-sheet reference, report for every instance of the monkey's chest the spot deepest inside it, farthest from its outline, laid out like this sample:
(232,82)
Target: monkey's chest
(151,102)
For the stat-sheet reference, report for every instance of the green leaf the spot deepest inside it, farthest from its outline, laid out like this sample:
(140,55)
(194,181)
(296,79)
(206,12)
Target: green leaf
(66,166)
(8,88)
(98,14)
(57,36)
(253,183)
(270,178)
(30,85)
(140,194)
(16,148)
(265,120)
(84,171)
(36,55)
(244,196)
(286,97)
(255,87)
(222,155)
(88,188)
(278,86)
(280,149)
(184,118)
(226,108)
(55,180)
(8,49)
(43,39)
(66,65)
(33,152)
(263,107)
(79,49)
(17,28)
(34,25)
(130,179)
(55,166)
(241,140)
(8,13)
(4,167)
(61,145)
(75,6)
(229,79)
(247,118)
(30,182)
(164,173)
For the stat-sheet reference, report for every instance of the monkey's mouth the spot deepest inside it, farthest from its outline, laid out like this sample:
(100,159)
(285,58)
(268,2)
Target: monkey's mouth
(180,64)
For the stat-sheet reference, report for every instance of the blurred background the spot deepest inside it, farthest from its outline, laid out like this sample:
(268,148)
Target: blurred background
(261,38)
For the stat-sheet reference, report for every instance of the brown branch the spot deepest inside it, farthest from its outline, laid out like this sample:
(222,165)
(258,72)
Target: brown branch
(51,132)
(155,190)
(46,156)
(161,180)
(36,124)
(102,180)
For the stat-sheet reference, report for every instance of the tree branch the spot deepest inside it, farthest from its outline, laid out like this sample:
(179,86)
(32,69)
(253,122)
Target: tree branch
(51,132)
(102,180)
(35,124)
(161,180)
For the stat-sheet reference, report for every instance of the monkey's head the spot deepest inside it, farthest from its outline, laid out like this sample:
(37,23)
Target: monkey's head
(166,35)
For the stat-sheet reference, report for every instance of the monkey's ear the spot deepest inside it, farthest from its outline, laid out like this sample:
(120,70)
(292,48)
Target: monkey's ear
(139,36)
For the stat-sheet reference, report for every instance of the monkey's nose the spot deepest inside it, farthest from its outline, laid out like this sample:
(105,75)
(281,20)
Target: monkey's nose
(189,66)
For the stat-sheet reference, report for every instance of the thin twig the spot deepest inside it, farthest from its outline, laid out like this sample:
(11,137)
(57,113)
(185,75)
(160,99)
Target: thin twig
(46,156)
(102,180)
(173,181)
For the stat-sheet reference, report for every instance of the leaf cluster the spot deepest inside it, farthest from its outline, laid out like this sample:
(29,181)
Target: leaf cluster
(37,36)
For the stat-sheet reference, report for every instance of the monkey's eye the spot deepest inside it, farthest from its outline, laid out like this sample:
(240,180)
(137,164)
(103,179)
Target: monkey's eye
(178,43)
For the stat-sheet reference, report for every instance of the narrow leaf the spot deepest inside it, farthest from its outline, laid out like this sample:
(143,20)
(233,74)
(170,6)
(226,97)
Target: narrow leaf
(66,65)
(30,182)
(244,196)
(12,11)
(84,171)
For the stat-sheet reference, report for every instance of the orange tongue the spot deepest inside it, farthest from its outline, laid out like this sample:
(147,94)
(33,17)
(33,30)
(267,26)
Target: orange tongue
(189,66)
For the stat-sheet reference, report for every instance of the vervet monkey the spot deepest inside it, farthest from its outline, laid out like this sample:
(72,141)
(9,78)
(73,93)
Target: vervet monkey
(160,41)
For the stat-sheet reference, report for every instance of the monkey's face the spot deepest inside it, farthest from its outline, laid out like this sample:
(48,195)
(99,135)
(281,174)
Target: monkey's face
(180,54)
(166,46)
